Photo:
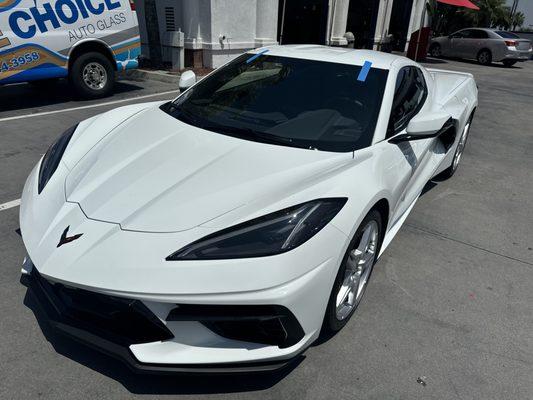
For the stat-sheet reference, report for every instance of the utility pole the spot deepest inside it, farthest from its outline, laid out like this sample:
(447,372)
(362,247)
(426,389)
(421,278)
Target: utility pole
(152,28)
(513,8)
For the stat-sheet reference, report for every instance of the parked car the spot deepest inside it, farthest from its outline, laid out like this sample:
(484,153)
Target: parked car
(85,41)
(483,45)
(228,228)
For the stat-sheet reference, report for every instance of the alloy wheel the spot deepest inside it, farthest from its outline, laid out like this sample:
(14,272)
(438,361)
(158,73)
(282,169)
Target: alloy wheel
(484,57)
(358,268)
(461,146)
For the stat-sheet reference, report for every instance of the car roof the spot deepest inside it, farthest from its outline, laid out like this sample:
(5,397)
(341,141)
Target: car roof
(339,55)
(479,29)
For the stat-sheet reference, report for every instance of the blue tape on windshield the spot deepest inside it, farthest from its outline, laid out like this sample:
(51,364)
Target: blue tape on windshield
(364,71)
(255,56)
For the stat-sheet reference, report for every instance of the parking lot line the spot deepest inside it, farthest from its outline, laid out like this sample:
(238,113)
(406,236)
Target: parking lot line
(86,107)
(10,204)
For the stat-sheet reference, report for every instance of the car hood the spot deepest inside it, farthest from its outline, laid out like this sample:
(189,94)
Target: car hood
(153,173)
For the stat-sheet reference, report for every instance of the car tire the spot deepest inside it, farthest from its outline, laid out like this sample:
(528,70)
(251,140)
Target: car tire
(342,304)
(484,57)
(435,50)
(509,63)
(450,171)
(92,75)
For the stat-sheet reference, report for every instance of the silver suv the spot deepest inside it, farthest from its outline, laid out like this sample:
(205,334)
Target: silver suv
(484,45)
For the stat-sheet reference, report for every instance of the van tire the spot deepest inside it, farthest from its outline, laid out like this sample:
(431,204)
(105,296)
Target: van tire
(92,75)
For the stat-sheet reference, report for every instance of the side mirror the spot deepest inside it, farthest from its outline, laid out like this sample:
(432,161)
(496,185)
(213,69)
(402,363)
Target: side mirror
(187,79)
(424,126)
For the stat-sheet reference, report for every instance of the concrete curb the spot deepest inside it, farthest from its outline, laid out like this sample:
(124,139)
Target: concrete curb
(145,75)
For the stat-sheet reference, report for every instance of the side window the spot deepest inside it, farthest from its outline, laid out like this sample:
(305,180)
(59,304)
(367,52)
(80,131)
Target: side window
(458,35)
(477,34)
(409,97)
(468,34)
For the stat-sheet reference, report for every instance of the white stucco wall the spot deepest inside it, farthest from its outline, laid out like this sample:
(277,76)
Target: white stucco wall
(222,29)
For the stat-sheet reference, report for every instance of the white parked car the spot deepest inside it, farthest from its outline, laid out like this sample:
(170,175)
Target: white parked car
(225,230)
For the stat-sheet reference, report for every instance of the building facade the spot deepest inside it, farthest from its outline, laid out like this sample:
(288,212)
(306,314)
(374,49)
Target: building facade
(215,31)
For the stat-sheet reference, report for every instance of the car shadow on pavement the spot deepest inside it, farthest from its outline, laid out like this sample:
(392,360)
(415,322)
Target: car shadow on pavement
(153,383)
(430,60)
(44,93)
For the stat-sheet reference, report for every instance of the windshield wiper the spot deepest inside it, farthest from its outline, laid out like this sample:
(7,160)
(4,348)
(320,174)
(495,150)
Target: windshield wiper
(249,133)
(242,132)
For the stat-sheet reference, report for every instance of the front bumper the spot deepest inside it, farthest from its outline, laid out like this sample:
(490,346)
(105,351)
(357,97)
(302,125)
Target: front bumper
(102,323)
(131,265)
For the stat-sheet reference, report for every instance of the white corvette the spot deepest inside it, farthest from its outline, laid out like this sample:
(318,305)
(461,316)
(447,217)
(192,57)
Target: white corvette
(225,230)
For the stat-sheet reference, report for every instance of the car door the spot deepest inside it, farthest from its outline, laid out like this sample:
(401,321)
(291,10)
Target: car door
(465,43)
(473,41)
(454,45)
(405,162)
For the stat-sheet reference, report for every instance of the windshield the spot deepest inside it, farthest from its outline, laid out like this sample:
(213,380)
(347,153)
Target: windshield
(507,35)
(287,101)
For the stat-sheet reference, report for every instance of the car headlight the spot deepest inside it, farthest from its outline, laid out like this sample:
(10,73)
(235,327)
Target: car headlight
(53,156)
(271,234)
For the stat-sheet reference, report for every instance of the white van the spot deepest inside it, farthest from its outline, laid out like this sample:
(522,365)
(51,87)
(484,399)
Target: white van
(84,40)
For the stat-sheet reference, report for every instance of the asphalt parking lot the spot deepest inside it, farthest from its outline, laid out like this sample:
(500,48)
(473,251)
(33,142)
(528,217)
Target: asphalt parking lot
(448,313)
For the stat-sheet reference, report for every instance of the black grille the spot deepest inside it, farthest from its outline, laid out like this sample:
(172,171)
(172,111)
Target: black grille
(121,321)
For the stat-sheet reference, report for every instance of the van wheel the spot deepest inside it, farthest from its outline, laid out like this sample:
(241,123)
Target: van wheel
(92,75)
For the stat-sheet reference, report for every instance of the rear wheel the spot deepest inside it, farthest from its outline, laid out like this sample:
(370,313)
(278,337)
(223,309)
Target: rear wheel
(354,273)
(435,50)
(509,63)
(92,75)
(484,57)
(448,172)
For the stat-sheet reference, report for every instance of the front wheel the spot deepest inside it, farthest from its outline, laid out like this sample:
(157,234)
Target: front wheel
(354,273)
(435,50)
(484,57)
(92,75)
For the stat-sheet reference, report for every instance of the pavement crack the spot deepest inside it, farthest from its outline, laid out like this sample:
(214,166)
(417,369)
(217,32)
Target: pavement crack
(441,235)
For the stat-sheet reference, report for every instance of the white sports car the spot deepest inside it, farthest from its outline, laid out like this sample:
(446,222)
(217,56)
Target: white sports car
(225,230)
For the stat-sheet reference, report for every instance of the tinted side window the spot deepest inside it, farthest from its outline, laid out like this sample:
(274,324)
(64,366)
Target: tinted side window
(477,34)
(409,97)
(507,35)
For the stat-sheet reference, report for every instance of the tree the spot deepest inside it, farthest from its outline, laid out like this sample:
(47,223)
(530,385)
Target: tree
(491,14)
(518,20)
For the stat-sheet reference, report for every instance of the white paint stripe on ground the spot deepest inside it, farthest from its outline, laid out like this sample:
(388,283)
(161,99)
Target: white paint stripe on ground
(10,204)
(86,107)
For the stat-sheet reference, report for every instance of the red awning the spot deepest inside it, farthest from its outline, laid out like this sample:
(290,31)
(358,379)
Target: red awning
(460,3)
